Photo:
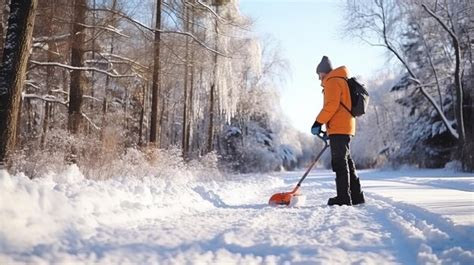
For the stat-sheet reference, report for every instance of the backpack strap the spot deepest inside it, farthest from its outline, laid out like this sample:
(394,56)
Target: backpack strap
(349,92)
(346,108)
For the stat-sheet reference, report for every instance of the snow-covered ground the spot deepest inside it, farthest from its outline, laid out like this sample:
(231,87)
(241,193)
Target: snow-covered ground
(411,216)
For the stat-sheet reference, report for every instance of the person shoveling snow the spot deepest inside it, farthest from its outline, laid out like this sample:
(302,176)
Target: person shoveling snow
(340,124)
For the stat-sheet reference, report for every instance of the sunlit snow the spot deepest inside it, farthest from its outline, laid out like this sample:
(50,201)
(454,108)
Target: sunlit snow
(66,218)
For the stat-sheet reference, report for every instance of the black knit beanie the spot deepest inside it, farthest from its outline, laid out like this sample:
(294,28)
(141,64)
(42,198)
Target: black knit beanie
(324,66)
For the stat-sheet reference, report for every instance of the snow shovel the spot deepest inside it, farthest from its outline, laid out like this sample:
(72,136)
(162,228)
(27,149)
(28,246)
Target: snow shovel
(287,198)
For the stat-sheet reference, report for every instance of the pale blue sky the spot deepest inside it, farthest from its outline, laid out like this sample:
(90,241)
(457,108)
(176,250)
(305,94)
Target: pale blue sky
(307,30)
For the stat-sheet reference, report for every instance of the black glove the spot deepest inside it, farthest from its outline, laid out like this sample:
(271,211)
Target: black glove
(316,128)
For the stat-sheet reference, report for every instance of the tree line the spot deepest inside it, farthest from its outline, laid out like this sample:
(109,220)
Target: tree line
(94,77)
(432,42)
(164,73)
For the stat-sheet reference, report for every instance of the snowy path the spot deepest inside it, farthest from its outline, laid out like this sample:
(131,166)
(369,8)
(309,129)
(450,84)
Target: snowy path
(155,221)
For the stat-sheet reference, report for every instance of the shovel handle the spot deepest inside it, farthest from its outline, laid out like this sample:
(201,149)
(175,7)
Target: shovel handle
(323,136)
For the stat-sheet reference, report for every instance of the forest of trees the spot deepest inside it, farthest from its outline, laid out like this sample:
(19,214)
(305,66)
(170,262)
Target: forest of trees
(86,81)
(106,76)
(423,115)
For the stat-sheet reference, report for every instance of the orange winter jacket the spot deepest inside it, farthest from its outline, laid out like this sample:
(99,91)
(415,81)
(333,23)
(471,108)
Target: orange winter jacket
(337,119)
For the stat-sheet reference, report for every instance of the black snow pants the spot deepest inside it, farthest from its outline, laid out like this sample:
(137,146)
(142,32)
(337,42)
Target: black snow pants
(347,182)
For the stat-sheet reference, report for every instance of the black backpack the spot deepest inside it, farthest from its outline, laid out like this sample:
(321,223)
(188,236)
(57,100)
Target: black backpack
(359,97)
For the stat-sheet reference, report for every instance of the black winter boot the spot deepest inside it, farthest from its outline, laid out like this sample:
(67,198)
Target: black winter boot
(339,201)
(343,193)
(357,196)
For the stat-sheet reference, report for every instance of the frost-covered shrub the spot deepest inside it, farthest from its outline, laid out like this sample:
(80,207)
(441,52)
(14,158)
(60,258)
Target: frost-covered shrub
(288,157)
(251,151)
(257,149)
(206,167)
(105,157)
(90,152)
(38,163)
(258,158)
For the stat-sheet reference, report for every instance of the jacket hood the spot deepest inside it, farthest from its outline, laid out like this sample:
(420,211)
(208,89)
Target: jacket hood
(338,72)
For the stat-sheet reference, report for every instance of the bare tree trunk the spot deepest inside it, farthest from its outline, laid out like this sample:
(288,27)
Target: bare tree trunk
(106,93)
(13,71)
(191,104)
(2,26)
(210,131)
(77,60)
(125,109)
(49,74)
(164,132)
(191,88)
(5,10)
(142,116)
(104,118)
(469,111)
(45,123)
(29,116)
(94,22)
(199,143)
(185,140)
(210,139)
(156,76)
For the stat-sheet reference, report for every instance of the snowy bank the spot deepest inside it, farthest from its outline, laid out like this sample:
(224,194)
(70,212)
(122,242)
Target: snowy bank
(60,206)
(183,219)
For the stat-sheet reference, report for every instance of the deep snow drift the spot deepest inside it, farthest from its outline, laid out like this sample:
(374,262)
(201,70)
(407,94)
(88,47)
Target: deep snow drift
(411,216)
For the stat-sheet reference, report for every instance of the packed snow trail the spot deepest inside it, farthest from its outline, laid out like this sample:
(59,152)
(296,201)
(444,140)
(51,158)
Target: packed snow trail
(68,219)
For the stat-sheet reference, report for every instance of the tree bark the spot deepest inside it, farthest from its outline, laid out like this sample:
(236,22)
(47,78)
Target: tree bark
(156,76)
(3,23)
(184,143)
(47,108)
(164,115)
(142,116)
(210,139)
(191,87)
(13,71)
(77,60)
(49,73)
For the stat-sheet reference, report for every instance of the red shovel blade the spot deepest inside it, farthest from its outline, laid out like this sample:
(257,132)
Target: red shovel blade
(282,198)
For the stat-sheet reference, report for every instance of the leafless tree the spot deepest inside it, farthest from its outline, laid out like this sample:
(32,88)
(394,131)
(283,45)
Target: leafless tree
(383,23)
(77,60)
(156,74)
(13,69)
